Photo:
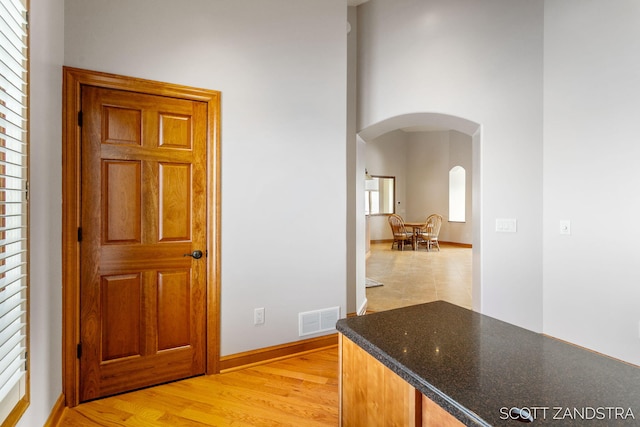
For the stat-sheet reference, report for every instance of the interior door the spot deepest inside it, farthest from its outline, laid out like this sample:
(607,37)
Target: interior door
(143,240)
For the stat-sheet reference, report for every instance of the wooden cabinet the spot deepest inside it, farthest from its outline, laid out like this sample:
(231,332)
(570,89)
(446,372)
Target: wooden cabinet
(373,395)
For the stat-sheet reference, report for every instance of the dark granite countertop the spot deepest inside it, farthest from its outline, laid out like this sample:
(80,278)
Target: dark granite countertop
(478,368)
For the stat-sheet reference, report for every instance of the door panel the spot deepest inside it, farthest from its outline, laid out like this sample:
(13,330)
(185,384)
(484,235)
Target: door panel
(175,131)
(142,301)
(175,202)
(121,189)
(174,308)
(120,334)
(121,125)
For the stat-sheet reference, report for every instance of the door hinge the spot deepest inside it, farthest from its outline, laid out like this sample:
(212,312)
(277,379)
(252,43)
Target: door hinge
(80,118)
(26,361)
(79,351)
(79,234)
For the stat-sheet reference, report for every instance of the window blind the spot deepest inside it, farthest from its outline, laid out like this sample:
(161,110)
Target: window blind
(13,204)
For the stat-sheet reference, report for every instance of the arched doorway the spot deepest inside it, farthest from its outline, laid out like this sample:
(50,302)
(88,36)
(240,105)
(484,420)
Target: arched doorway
(426,122)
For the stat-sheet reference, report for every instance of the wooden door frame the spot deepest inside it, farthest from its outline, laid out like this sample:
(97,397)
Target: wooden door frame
(73,80)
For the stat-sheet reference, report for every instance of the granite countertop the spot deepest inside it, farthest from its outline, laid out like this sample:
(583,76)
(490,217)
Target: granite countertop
(477,368)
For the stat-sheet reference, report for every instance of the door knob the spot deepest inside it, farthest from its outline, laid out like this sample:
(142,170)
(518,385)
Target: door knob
(197,254)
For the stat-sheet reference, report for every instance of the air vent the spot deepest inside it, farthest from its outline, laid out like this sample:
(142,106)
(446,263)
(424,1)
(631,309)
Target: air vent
(311,322)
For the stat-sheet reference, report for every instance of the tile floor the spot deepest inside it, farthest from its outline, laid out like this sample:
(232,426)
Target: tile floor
(414,277)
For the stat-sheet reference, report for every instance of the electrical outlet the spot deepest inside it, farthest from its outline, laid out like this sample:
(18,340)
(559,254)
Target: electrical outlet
(258,316)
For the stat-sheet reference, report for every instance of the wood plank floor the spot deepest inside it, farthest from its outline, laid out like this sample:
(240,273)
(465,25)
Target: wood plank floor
(298,391)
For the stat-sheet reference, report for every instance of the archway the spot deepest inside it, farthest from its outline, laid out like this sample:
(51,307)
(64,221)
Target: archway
(424,121)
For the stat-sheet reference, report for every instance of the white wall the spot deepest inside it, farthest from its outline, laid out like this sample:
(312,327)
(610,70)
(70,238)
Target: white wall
(428,175)
(45,351)
(281,68)
(461,154)
(591,174)
(421,161)
(356,250)
(362,233)
(430,157)
(482,61)
(387,156)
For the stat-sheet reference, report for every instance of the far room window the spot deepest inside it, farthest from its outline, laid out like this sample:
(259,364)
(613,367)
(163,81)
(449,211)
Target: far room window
(13,210)
(457,194)
(379,195)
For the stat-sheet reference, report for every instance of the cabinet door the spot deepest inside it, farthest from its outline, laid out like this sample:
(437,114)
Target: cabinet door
(434,416)
(372,395)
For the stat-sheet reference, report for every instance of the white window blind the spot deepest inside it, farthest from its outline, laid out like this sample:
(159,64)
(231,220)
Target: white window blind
(13,204)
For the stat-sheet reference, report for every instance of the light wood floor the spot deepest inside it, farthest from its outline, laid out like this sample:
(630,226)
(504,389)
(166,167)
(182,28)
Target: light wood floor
(298,392)
(414,277)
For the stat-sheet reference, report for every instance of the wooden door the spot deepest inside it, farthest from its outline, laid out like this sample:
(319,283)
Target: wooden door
(143,216)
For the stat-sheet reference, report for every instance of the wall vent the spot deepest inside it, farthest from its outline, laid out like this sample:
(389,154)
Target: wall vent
(311,322)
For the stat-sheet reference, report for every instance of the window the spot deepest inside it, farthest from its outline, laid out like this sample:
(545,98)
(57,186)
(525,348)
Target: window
(13,209)
(379,194)
(457,194)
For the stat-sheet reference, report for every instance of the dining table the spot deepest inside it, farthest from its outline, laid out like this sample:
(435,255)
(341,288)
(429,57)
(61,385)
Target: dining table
(416,227)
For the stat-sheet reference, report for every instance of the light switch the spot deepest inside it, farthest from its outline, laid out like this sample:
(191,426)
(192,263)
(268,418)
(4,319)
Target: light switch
(506,225)
(565,227)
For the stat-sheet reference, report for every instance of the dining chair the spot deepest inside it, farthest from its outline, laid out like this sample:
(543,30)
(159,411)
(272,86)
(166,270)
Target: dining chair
(399,231)
(429,234)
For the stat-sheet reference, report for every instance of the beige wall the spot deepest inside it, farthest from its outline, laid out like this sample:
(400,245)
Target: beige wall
(421,161)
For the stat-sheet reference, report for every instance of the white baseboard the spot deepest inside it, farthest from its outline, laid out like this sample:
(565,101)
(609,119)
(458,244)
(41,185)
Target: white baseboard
(363,308)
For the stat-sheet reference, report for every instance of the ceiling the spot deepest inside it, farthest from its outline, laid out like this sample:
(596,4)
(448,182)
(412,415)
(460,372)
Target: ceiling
(356,2)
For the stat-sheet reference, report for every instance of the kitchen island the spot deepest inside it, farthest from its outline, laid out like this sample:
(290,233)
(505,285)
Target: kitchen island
(442,365)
